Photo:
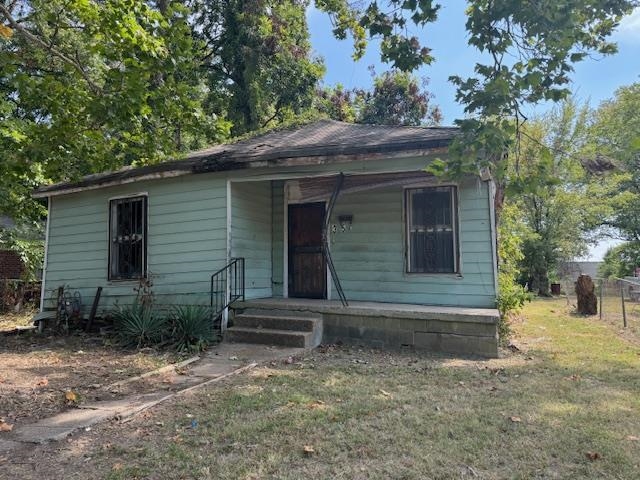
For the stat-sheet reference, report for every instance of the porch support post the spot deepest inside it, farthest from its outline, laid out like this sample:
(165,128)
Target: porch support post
(325,240)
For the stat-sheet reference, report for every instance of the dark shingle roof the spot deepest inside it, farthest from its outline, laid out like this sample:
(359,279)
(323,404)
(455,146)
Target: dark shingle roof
(323,138)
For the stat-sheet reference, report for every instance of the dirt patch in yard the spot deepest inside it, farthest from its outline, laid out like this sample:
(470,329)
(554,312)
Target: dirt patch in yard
(36,372)
(564,404)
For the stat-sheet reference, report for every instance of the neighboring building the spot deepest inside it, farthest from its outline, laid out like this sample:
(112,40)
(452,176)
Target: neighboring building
(422,249)
(11,267)
(572,270)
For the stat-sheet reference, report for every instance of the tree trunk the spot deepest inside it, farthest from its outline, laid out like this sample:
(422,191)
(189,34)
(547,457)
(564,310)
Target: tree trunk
(587,300)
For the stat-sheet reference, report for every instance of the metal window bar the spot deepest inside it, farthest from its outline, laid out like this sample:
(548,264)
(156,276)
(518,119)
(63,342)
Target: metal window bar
(227,287)
(128,238)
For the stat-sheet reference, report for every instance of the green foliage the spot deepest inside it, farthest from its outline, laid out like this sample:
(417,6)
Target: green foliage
(397,98)
(531,47)
(90,86)
(139,325)
(192,327)
(390,26)
(621,261)
(512,296)
(27,241)
(258,62)
(553,191)
(614,139)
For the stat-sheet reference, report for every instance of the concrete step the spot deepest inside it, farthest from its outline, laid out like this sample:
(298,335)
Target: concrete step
(269,336)
(274,322)
(277,312)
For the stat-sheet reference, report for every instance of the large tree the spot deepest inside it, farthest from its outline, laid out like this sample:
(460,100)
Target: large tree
(615,144)
(397,98)
(89,86)
(549,185)
(257,59)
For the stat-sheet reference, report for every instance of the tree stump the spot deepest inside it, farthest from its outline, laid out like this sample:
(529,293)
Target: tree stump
(587,299)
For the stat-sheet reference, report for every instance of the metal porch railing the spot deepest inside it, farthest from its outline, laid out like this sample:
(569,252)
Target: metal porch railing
(227,287)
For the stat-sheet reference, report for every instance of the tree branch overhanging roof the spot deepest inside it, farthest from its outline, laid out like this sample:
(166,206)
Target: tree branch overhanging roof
(322,139)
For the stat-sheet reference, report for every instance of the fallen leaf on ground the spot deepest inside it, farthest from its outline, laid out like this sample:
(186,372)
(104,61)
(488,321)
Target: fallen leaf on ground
(71,396)
(515,419)
(43,382)
(5,427)
(633,438)
(593,456)
(318,404)
(308,450)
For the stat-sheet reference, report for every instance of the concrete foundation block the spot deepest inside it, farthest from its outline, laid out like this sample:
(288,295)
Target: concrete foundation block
(453,343)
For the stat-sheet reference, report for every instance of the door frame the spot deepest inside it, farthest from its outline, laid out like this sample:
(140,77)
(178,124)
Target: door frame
(285,253)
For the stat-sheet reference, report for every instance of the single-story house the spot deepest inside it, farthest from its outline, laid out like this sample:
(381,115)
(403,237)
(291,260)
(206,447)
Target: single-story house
(335,220)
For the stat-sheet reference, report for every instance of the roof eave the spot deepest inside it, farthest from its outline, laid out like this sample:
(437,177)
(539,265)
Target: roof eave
(259,162)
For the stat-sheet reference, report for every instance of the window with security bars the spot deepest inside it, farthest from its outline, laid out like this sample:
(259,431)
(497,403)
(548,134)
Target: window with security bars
(432,244)
(128,238)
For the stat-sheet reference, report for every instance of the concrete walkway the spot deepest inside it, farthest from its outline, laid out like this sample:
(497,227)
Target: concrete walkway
(223,361)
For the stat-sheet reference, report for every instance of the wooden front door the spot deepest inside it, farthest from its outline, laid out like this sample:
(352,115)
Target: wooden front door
(307,267)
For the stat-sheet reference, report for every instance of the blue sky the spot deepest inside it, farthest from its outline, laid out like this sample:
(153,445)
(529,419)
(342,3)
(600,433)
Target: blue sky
(594,79)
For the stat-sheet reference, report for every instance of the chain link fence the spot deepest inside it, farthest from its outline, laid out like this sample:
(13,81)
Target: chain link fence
(618,300)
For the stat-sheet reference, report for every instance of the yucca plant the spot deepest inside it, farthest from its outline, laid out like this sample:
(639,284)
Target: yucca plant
(138,325)
(192,327)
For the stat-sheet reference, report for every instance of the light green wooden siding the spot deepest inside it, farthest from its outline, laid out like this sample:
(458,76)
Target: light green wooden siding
(370,259)
(186,240)
(277,235)
(251,225)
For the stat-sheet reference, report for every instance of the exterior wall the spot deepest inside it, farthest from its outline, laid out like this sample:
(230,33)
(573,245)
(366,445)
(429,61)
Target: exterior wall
(187,240)
(251,230)
(10,265)
(370,258)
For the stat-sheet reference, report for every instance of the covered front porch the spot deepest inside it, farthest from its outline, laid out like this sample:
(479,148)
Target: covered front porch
(289,238)
(357,254)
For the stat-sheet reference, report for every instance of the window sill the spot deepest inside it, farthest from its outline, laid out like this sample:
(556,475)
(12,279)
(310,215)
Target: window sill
(459,276)
(125,280)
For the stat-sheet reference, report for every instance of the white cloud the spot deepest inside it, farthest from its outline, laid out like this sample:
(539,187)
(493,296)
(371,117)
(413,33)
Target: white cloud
(629,29)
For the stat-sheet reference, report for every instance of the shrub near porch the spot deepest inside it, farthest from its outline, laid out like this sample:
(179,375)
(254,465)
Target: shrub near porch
(566,406)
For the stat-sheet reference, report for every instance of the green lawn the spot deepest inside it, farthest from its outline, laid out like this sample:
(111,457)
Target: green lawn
(572,392)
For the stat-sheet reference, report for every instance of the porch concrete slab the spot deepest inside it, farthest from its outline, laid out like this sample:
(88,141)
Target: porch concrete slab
(376,309)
